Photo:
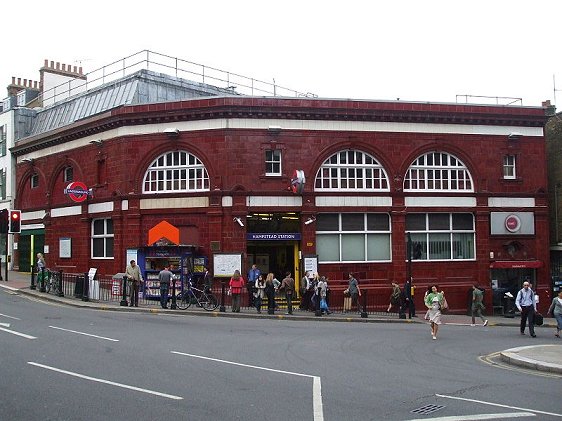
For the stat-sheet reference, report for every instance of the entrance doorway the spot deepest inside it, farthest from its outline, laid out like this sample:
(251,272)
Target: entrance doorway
(276,257)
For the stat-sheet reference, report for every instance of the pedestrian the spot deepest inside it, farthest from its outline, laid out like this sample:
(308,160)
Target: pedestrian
(394,297)
(260,293)
(408,302)
(276,285)
(236,285)
(165,277)
(434,301)
(135,280)
(477,305)
(556,310)
(270,293)
(527,305)
(354,292)
(322,289)
(253,275)
(41,268)
(207,280)
(304,289)
(288,286)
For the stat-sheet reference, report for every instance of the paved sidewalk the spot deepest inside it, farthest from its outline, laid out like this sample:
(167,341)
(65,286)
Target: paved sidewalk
(540,357)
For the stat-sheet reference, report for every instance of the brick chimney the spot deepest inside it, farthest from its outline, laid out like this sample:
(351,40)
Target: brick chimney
(19,84)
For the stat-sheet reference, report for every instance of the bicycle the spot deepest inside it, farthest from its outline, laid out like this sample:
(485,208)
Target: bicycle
(204,299)
(53,282)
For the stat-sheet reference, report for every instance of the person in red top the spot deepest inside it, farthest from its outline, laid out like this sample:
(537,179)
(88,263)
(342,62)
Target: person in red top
(236,285)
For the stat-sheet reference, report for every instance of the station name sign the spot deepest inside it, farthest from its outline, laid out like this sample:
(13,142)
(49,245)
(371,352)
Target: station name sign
(274,236)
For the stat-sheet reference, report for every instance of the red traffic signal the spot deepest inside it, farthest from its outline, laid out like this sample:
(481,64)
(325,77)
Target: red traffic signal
(15,221)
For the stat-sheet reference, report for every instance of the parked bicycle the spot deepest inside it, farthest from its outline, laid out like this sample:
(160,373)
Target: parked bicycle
(52,282)
(203,298)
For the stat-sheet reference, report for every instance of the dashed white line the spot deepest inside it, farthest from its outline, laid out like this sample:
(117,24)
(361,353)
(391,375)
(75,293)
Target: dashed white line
(317,406)
(9,317)
(478,417)
(94,379)
(499,405)
(85,334)
(13,332)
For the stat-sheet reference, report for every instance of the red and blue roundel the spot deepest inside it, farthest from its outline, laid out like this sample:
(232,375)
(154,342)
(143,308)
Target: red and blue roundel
(77,191)
(297,182)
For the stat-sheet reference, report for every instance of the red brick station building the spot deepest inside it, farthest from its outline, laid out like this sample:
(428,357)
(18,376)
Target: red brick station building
(281,180)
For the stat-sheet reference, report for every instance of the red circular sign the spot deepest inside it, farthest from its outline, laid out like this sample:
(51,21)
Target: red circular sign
(77,191)
(512,223)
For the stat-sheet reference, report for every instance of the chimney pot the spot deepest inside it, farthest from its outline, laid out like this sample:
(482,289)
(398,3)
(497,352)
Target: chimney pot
(80,70)
(75,69)
(13,80)
(46,63)
(19,81)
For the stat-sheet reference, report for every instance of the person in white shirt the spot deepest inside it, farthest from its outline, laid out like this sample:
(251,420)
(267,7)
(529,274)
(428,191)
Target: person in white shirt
(527,305)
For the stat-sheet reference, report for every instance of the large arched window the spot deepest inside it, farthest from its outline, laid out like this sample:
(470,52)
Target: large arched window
(438,171)
(177,171)
(351,170)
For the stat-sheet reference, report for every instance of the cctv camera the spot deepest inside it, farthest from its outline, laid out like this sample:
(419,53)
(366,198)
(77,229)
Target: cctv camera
(239,221)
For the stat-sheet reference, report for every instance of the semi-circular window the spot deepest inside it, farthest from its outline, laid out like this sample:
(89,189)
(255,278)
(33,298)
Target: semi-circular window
(177,171)
(351,170)
(438,171)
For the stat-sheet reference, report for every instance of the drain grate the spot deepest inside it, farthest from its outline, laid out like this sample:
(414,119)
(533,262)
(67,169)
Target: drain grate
(428,409)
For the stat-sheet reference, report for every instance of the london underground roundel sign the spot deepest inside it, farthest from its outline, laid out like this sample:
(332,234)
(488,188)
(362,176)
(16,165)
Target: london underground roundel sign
(512,223)
(77,191)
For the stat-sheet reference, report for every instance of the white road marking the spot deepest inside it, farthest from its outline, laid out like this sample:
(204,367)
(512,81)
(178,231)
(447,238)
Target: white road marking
(8,287)
(5,324)
(9,317)
(317,406)
(85,334)
(94,379)
(13,332)
(499,405)
(478,417)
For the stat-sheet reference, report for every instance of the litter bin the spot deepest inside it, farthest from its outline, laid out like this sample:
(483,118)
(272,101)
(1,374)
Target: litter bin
(79,287)
(509,305)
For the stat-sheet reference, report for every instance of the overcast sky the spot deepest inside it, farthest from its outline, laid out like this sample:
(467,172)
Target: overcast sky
(412,50)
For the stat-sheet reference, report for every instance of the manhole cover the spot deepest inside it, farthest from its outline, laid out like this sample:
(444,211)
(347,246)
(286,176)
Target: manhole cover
(428,409)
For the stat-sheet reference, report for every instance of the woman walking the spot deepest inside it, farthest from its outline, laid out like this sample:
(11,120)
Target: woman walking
(270,293)
(395,297)
(260,292)
(434,301)
(236,285)
(556,310)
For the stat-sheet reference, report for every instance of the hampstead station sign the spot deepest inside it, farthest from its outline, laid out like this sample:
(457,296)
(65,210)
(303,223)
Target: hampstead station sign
(274,236)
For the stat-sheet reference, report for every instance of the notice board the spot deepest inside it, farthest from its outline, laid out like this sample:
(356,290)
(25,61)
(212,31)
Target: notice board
(224,264)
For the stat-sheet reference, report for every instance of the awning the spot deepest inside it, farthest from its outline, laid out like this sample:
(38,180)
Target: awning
(516,264)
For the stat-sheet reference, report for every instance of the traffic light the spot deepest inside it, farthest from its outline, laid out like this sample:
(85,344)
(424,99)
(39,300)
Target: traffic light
(15,221)
(4,221)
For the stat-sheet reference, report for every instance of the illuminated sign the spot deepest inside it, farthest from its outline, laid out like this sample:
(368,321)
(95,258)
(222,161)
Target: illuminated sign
(77,191)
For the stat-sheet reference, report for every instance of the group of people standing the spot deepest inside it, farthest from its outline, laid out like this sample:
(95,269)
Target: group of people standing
(314,293)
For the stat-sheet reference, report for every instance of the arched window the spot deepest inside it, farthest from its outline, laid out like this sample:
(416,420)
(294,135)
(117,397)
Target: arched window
(351,170)
(438,171)
(177,171)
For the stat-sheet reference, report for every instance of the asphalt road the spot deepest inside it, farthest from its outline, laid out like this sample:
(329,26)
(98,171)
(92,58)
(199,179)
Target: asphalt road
(78,364)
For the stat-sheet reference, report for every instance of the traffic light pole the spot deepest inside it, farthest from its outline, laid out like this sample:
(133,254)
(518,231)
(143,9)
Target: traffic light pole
(7,260)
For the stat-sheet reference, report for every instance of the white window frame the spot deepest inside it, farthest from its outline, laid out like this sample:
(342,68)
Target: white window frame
(272,161)
(175,171)
(423,237)
(509,167)
(341,237)
(438,171)
(363,173)
(106,236)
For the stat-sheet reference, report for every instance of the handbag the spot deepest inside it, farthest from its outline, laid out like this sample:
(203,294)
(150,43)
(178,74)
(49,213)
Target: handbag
(539,319)
(444,305)
(323,304)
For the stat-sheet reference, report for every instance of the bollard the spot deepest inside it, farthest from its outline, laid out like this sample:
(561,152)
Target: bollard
(32,278)
(222,308)
(174,304)
(123,302)
(61,286)
(364,314)
(42,288)
(6,268)
(86,290)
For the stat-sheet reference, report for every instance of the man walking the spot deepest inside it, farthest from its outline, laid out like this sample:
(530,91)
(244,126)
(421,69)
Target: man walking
(288,285)
(207,280)
(165,277)
(527,305)
(477,305)
(253,275)
(135,278)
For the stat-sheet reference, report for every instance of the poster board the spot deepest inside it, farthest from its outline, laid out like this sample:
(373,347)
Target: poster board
(224,264)
(65,247)
(94,287)
(310,263)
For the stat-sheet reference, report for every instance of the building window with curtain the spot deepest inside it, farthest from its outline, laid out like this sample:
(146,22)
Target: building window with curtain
(102,238)
(353,237)
(177,171)
(442,236)
(351,170)
(438,172)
